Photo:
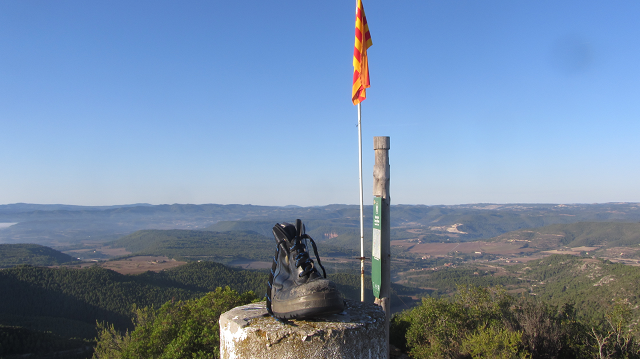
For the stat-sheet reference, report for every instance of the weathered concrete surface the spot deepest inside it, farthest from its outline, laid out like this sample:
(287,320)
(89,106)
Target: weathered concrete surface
(249,332)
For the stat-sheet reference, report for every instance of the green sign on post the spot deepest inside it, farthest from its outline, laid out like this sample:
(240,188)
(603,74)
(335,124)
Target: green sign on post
(376,264)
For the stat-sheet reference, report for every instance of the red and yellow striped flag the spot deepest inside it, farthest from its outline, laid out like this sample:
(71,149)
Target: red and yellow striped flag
(360,62)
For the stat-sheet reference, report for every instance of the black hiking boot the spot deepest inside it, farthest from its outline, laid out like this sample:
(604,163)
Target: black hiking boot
(296,289)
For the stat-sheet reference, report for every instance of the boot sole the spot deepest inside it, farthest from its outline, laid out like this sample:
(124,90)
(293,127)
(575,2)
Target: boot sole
(312,305)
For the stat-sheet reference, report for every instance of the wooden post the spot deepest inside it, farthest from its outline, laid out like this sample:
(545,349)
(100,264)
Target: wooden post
(382,249)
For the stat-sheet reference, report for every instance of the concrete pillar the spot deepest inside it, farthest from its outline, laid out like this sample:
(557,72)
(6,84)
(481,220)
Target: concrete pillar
(357,333)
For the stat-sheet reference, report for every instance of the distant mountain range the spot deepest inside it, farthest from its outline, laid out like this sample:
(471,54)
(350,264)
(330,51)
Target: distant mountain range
(62,226)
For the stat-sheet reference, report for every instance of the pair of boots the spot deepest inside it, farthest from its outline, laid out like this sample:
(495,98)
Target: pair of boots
(296,289)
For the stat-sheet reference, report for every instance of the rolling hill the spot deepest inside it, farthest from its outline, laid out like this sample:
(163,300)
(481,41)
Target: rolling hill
(57,308)
(600,239)
(16,254)
(222,247)
(592,285)
(61,225)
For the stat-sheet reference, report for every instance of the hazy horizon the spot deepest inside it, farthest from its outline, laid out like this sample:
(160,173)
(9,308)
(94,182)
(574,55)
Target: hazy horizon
(322,205)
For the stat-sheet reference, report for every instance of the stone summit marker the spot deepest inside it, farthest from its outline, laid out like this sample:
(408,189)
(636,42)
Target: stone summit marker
(358,332)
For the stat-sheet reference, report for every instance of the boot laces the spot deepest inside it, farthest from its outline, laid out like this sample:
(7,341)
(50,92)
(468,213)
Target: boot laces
(302,259)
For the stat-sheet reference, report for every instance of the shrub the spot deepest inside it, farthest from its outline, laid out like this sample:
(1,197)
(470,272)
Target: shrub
(186,329)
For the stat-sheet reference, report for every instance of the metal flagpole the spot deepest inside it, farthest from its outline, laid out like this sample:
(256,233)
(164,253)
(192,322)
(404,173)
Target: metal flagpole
(361,206)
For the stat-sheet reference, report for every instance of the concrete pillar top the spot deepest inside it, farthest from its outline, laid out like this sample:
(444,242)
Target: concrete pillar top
(249,332)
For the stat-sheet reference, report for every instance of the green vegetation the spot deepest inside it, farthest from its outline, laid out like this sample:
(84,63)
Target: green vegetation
(16,254)
(607,234)
(589,306)
(488,323)
(475,323)
(349,285)
(591,284)
(180,329)
(82,295)
(261,227)
(610,234)
(446,280)
(222,247)
(207,276)
(580,307)
(67,302)
(337,235)
(14,341)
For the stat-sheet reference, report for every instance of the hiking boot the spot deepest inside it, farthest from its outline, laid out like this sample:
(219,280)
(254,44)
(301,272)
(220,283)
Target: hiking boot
(295,288)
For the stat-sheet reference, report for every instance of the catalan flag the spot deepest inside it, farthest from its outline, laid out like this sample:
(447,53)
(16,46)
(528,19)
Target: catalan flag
(360,62)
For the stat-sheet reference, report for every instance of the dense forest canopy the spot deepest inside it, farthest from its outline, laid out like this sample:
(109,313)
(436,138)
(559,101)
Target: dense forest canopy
(67,302)
(32,254)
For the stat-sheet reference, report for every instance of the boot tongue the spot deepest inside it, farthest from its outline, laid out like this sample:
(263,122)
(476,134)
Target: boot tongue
(290,231)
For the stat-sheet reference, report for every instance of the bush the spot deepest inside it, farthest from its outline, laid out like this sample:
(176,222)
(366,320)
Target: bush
(488,323)
(186,329)
(439,327)
(493,342)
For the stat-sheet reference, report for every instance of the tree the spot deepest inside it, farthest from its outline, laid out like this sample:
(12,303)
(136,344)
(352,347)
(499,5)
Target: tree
(620,336)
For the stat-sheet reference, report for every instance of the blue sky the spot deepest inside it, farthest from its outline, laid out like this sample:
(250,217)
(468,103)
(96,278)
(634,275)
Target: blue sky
(118,102)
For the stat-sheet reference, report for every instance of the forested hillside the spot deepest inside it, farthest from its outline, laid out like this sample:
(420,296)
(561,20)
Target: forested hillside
(561,306)
(607,234)
(334,232)
(78,295)
(67,302)
(32,254)
(17,340)
(260,227)
(476,322)
(221,247)
(590,284)
(445,280)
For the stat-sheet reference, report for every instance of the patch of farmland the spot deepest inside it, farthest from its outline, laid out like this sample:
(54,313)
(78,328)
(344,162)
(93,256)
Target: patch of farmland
(141,264)
(461,247)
